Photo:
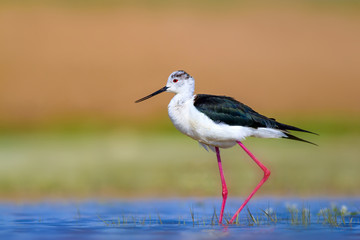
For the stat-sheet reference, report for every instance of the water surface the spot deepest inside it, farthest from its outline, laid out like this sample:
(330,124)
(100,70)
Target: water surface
(181,219)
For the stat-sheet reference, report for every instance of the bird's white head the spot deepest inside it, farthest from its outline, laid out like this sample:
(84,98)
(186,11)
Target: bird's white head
(179,82)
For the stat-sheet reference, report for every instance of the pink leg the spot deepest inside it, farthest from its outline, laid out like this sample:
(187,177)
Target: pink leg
(223,183)
(266,176)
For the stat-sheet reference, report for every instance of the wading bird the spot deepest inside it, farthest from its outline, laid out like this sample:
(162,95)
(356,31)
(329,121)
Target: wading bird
(219,122)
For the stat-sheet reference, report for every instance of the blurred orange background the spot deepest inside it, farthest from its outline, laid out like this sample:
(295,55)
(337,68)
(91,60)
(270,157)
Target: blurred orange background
(65,62)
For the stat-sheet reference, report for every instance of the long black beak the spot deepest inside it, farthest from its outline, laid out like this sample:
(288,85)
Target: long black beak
(153,94)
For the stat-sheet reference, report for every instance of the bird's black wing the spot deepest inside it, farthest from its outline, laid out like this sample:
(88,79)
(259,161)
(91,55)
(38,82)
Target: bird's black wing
(228,110)
(232,112)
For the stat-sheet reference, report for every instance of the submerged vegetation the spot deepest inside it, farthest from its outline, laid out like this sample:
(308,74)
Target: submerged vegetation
(331,217)
(158,218)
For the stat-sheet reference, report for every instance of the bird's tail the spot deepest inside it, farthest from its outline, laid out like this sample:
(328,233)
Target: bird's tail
(292,137)
(283,126)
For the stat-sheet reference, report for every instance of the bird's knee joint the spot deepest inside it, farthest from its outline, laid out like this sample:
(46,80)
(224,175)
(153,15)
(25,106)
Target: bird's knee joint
(267,173)
(224,193)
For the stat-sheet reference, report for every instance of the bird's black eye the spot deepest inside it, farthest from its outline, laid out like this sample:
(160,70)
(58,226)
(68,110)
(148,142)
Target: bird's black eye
(175,81)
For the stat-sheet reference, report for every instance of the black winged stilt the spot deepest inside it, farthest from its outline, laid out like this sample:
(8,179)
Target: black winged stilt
(219,122)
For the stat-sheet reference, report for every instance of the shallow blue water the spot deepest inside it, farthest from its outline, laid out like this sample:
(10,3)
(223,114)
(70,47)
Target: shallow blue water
(180,219)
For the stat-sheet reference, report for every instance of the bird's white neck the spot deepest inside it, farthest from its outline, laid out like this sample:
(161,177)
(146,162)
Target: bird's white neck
(182,97)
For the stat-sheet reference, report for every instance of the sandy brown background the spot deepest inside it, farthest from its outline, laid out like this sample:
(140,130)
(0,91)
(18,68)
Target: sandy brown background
(74,62)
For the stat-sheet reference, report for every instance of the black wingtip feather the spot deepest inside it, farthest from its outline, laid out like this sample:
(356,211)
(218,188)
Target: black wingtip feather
(292,137)
(289,127)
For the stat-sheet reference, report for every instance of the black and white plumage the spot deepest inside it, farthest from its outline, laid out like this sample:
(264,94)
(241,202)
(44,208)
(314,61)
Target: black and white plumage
(227,110)
(217,121)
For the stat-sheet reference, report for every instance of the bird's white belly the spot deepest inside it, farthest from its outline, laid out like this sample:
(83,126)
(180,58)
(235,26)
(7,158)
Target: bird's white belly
(193,123)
